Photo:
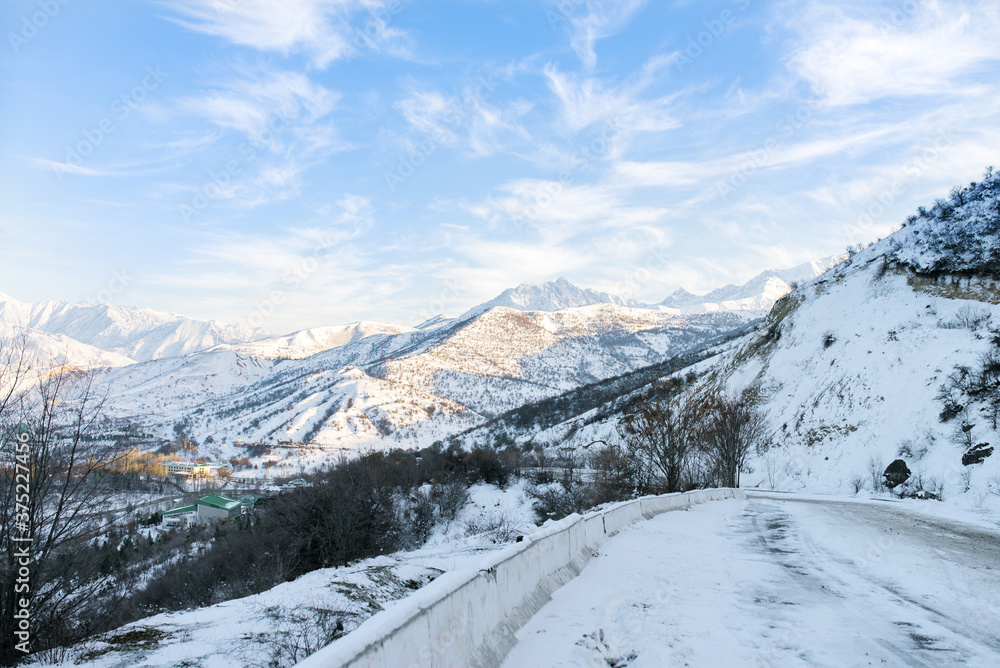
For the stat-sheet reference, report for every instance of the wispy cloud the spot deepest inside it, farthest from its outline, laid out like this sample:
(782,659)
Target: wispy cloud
(275,124)
(479,119)
(587,23)
(292,269)
(587,100)
(323,30)
(258,98)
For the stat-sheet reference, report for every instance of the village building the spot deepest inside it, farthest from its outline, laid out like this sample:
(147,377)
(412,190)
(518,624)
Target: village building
(193,469)
(211,507)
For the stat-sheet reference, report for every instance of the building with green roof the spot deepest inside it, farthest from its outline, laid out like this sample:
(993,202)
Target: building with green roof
(211,507)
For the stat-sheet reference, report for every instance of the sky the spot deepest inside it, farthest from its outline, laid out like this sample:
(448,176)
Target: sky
(310,162)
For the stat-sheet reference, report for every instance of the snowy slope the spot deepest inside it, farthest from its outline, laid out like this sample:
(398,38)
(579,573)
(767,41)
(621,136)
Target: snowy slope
(850,366)
(140,334)
(258,630)
(45,351)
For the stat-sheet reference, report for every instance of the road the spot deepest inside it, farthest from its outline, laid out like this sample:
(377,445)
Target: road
(778,582)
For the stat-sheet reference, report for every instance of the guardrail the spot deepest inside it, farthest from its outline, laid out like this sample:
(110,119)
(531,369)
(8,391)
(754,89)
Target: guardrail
(469,617)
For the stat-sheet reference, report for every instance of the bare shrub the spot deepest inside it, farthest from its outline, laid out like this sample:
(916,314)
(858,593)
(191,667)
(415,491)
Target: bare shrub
(772,466)
(876,467)
(858,483)
(557,500)
(417,515)
(291,634)
(618,475)
(993,485)
(662,432)
(971,318)
(451,497)
(911,449)
(500,525)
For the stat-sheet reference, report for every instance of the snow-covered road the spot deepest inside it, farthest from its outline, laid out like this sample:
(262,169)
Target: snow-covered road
(778,582)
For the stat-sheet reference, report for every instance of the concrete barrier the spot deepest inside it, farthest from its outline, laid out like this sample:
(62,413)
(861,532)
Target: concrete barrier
(469,618)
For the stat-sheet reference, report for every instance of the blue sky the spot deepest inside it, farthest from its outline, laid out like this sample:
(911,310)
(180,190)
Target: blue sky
(310,162)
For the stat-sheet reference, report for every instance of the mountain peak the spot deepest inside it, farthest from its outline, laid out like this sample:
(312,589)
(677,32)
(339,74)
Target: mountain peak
(551,296)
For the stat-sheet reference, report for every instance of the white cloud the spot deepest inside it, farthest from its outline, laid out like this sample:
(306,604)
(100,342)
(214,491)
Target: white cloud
(431,113)
(857,54)
(471,119)
(304,265)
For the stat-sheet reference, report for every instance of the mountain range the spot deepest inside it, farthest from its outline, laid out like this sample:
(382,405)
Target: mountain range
(368,384)
(87,335)
(112,335)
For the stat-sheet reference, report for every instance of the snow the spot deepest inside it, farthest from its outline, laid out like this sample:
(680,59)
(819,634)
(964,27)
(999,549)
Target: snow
(243,631)
(552,296)
(757,295)
(777,582)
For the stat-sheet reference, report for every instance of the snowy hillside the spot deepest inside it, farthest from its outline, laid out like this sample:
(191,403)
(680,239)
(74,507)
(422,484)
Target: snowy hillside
(45,351)
(139,334)
(863,365)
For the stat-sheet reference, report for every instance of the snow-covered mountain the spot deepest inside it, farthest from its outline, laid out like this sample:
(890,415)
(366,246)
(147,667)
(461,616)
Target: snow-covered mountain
(368,384)
(865,365)
(44,351)
(138,334)
(382,388)
(758,294)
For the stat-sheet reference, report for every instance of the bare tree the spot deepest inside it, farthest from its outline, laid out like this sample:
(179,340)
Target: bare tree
(619,475)
(662,432)
(733,429)
(51,504)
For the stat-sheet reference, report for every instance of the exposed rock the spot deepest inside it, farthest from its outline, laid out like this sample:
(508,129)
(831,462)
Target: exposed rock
(977,453)
(896,474)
